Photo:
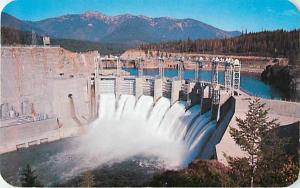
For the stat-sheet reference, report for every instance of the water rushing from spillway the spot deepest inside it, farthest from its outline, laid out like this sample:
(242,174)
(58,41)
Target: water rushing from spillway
(150,135)
(127,128)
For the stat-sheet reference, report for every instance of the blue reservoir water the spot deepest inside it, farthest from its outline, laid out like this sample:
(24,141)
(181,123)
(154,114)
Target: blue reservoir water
(249,84)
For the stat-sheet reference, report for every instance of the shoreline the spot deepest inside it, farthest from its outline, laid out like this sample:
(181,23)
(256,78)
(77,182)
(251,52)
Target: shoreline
(244,72)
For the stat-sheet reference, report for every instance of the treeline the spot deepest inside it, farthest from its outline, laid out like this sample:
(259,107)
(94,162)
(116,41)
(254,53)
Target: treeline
(279,43)
(11,36)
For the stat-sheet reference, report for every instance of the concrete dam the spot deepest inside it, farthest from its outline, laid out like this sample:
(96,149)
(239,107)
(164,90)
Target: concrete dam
(46,96)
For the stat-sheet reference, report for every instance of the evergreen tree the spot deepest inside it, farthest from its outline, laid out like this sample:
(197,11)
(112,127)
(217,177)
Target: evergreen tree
(250,133)
(28,178)
(277,43)
(275,168)
(240,170)
(289,172)
(266,163)
(87,180)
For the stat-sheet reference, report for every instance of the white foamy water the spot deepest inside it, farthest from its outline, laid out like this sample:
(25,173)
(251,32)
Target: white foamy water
(172,117)
(158,112)
(107,106)
(120,107)
(127,128)
(129,107)
(201,139)
(187,119)
(143,107)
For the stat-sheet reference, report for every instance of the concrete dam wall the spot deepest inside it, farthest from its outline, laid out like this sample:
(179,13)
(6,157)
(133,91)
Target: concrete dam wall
(35,84)
(29,74)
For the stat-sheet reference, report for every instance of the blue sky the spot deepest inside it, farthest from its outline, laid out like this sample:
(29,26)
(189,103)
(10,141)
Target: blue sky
(253,15)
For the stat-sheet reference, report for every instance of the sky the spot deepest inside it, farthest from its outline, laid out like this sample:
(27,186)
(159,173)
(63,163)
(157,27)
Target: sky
(253,15)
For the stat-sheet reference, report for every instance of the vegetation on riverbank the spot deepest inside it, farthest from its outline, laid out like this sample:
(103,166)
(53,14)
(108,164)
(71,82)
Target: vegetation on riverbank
(28,177)
(280,77)
(200,173)
(277,43)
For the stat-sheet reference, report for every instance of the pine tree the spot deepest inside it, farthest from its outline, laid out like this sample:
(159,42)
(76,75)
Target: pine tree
(28,178)
(250,132)
(240,170)
(289,172)
(266,157)
(87,180)
(276,168)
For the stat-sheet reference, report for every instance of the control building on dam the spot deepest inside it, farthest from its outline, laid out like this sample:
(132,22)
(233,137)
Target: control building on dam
(49,93)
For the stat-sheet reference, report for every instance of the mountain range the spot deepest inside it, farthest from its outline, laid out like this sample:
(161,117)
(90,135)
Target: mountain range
(127,28)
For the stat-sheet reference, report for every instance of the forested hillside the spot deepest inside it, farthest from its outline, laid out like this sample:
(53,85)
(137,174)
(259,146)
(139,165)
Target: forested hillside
(277,43)
(15,37)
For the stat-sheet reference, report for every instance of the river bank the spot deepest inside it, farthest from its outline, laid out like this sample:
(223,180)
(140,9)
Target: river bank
(251,64)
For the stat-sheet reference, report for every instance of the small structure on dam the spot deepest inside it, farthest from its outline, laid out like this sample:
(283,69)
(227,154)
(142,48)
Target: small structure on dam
(71,98)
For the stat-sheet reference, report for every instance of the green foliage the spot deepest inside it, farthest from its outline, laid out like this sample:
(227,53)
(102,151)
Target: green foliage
(280,77)
(200,173)
(275,166)
(87,180)
(278,43)
(266,158)
(241,170)
(28,178)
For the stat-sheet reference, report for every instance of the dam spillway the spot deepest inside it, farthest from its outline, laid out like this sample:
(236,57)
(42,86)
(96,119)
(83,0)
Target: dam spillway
(170,124)
(162,111)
